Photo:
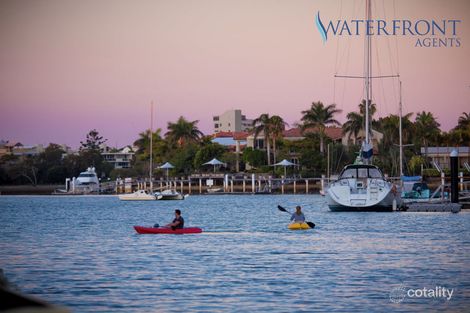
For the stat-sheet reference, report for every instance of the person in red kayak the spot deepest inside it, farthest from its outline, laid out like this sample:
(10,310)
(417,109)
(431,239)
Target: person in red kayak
(178,221)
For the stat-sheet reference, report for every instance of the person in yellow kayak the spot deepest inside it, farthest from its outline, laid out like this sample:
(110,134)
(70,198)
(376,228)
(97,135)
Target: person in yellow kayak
(298,216)
(178,221)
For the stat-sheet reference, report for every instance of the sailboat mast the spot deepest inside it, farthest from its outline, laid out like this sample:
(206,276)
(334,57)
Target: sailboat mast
(151,147)
(368,71)
(401,136)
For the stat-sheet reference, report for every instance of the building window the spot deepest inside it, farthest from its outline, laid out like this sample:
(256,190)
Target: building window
(215,118)
(216,125)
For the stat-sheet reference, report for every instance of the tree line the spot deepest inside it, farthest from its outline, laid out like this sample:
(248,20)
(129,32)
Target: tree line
(187,148)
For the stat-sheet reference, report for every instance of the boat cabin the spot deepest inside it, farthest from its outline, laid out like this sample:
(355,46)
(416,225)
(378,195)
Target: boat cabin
(361,171)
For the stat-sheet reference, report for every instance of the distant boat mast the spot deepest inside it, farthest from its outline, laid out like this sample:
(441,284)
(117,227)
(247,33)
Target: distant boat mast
(368,70)
(151,147)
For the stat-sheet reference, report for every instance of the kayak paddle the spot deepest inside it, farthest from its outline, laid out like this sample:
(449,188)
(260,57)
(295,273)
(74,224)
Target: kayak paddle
(311,224)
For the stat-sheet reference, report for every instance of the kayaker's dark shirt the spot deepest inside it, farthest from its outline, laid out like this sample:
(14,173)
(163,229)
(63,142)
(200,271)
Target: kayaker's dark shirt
(181,220)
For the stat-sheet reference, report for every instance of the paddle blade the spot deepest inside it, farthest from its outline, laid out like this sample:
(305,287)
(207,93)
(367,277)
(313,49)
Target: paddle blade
(311,224)
(281,209)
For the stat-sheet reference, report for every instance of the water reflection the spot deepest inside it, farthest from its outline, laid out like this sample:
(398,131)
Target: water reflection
(82,252)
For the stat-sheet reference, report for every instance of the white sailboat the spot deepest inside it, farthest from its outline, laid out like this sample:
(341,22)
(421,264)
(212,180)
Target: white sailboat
(144,195)
(362,186)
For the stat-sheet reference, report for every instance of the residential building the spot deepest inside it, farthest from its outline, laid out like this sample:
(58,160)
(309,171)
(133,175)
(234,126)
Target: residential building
(231,121)
(6,147)
(441,155)
(30,150)
(119,158)
(235,141)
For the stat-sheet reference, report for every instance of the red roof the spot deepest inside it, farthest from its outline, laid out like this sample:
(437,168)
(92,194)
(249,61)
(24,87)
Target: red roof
(293,132)
(234,135)
(334,133)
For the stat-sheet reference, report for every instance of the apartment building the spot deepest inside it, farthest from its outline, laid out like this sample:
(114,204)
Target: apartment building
(231,121)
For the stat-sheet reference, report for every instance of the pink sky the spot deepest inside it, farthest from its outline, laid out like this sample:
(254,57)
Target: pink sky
(70,66)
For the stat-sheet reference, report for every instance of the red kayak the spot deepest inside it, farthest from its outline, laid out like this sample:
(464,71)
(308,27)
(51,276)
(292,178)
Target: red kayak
(164,230)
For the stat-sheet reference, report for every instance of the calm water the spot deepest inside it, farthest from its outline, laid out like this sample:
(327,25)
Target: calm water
(82,252)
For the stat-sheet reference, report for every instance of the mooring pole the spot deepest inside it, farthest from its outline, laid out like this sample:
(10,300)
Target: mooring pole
(454,176)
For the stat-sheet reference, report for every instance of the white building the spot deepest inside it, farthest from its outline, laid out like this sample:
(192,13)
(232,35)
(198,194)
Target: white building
(231,121)
(120,159)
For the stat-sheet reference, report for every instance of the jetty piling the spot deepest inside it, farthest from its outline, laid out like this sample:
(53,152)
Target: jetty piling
(454,166)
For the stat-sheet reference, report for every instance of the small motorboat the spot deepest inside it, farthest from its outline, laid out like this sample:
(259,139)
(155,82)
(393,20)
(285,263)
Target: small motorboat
(139,195)
(169,194)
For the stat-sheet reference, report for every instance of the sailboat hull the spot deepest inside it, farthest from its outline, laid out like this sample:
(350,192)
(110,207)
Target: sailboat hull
(375,196)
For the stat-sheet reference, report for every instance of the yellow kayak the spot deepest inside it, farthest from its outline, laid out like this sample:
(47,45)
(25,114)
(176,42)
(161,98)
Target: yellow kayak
(296,226)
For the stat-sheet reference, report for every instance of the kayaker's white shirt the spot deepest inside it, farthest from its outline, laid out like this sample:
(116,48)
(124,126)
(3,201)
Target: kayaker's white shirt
(297,217)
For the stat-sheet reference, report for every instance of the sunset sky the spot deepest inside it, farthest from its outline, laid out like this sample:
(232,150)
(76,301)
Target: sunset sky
(70,66)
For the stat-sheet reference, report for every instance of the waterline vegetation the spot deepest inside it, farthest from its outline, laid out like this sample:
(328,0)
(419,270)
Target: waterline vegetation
(187,148)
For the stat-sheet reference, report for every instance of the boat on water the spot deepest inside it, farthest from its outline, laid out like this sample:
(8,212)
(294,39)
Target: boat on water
(414,189)
(166,230)
(215,190)
(362,187)
(87,182)
(139,195)
(169,194)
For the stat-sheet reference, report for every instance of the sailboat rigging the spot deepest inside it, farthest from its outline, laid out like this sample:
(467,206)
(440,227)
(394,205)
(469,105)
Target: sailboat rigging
(362,186)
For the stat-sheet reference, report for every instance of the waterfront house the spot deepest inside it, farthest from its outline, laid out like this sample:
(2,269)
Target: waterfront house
(6,147)
(441,155)
(30,150)
(120,158)
(234,141)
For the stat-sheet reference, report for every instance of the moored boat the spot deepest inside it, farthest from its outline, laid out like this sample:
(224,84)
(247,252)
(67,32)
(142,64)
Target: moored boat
(362,187)
(139,195)
(169,194)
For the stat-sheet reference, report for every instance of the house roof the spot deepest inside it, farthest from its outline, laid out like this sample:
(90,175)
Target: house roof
(234,135)
(293,132)
(332,132)
(13,144)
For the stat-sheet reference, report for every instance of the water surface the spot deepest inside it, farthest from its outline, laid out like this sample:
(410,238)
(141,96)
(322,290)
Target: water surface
(82,252)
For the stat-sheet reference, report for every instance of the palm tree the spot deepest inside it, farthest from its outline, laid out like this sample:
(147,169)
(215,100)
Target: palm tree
(263,124)
(319,116)
(143,142)
(183,131)
(464,121)
(356,121)
(353,125)
(427,128)
(389,126)
(277,127)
